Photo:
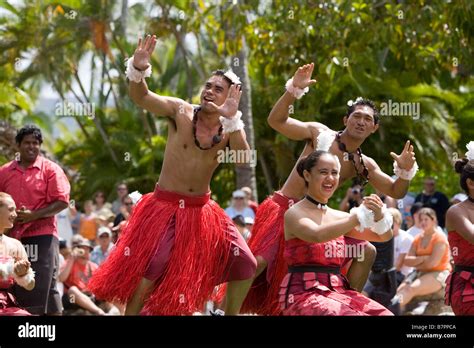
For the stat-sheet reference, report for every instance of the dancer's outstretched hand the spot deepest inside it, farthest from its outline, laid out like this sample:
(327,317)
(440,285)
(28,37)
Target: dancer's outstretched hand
(231,104)
(302,77)
(142,54)
(406,159)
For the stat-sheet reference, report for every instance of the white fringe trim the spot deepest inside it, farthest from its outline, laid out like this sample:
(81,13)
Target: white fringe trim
(383,225)
(6,269)
(403,173)
(295,91)
(365,217)
(136,75)
(232,124)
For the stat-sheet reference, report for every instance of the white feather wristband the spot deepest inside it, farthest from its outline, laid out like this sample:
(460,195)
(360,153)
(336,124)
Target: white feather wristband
(295,91)
(26,279)
(232,124)
(403,173)
(135,75)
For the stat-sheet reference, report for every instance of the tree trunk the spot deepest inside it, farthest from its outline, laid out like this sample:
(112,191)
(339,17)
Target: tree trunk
(245,173)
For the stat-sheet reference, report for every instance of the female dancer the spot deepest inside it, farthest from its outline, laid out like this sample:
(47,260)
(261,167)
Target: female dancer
(460,224)
(14,264)
(315,247)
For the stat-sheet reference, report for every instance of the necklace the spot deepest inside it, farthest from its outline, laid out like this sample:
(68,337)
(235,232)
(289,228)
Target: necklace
(470,199)
(216,139)
(322,206)
(362,178)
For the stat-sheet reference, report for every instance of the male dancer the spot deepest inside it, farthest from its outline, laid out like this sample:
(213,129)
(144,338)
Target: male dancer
(267,241)
(179,244)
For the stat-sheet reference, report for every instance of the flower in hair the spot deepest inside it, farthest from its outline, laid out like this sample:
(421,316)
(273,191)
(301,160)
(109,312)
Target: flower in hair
(233,77)
(358,100)
(470,152)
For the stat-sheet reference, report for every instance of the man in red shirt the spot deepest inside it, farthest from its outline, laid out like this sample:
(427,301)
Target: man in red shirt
(40,190)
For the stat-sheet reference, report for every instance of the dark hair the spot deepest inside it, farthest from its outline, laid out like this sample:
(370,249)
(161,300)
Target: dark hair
(465,168)
(415,208)
(367,102)
(239,220)
(308,162)
(220,72)
(27,130)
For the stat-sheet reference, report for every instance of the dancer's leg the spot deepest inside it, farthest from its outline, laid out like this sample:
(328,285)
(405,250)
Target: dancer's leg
(360,268)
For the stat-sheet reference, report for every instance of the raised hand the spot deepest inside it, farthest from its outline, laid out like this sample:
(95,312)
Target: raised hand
(231,104)
(141,57)
(302,77)
(374,203)
(406,159)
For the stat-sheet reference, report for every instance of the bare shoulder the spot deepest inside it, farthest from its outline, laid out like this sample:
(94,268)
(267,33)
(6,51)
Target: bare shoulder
(316,127)
(370,162)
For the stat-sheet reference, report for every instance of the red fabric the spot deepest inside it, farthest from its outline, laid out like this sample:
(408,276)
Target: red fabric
(80,275)
(36,187)
(254,206)
(8,304)
(197,262)
(321,293)
(461,284)
(268,242)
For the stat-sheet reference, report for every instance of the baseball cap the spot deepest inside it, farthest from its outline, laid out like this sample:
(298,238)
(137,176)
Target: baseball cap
(238,194)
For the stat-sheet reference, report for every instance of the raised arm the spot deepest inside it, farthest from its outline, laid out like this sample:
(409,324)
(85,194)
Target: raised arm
(394,188)
(139,92)
(279,118)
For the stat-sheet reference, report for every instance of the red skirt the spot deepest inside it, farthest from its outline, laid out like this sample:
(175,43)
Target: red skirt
(325,294)
(268,241)
(9,306)
(460,292)
(186,244)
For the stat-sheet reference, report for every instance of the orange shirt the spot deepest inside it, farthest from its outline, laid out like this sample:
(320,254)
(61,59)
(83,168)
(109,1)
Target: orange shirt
(437,237)
(88,227)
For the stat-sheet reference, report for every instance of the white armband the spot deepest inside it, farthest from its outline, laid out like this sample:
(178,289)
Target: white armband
(384,224)
(135,75)
(365,217)
(403,173)
(26,279)
(232,124)
(295,91)
(6,269)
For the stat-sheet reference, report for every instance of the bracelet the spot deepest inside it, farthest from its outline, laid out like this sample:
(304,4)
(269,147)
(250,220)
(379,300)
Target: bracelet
(384,224)
(23,281)
(232,124)
(295,91)
(365,217)
(403,173)
(135,75)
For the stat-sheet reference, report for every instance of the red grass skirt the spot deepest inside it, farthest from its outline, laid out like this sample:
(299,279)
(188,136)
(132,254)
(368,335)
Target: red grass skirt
(268,241)
(197,261)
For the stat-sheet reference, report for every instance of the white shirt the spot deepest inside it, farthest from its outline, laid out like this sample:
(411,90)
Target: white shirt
(402,244)
(247,212)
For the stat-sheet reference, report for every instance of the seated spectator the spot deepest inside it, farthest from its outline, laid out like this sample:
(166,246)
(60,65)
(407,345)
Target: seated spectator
(249,223)
(239,221)
(105,245)
(458,198)
(239,206)
(100,204)
(75,274)
(122,191)
(354,197)
(252,204)
(125,210)
(402,241)
(429,255)
(14,264)
(88,225)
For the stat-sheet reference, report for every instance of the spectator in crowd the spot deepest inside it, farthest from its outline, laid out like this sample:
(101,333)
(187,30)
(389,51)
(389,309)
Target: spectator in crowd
(101,205)
(404,205)
(429,255)
(125,210)
(387,200)
(354,197)
(249,223)
(239,221)
(64,224)
(458,198)
(64,253)
(402,241)
(416,228)
(433,199)
(75,219)
(14,264)
(105,245)
(88,224)
(40,190)
(122,191)
(75,274)
(249,195)
(239,206)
